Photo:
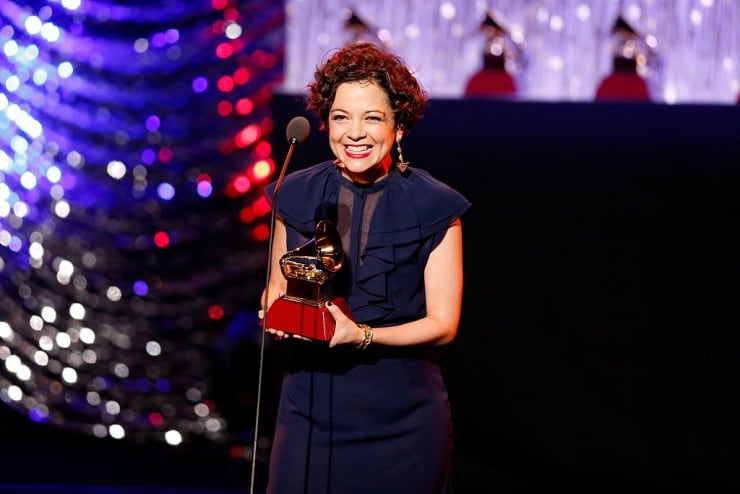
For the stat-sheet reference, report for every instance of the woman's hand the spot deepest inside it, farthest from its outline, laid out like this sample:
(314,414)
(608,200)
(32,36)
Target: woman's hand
(277,333)
(345,329)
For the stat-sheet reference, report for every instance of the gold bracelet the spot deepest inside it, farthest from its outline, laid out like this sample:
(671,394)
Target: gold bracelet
(367,336)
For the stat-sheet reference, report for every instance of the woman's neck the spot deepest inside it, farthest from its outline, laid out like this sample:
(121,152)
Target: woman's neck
(372,175)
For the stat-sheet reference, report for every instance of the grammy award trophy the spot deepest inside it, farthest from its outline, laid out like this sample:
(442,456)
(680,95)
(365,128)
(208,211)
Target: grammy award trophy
(309,268)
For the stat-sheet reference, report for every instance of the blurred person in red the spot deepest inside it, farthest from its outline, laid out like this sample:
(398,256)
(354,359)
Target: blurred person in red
(624,82)
(493,79)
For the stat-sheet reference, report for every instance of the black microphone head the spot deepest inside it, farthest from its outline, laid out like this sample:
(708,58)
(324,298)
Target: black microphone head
(297,130)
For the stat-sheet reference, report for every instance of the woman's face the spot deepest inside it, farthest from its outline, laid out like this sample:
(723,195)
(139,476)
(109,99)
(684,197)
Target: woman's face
(362,131)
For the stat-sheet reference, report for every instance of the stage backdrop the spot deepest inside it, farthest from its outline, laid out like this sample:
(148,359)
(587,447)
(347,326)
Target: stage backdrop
(601,291)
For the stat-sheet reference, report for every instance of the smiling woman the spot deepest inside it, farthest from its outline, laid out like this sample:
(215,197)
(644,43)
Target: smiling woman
(362,131)
(597,293)
(375,389)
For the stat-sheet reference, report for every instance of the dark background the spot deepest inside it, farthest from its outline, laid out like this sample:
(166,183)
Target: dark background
(601,293)
(596,349)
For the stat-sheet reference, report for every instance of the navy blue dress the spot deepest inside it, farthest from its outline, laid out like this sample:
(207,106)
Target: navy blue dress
(375,420)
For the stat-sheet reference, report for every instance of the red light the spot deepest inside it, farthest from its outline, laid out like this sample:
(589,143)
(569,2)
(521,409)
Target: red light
(244,106)
(165,155)
(248,135)
(242,75)
(261,232)
(258,57)
(246,215)
(231,14)
(156,419)
(242,184)
(224,108)
(161,240)
(237,45)
(231,191)
(263,149)
(224,50)
(225,84)
(218,27)
(215,312)
(236,452)
(261,206)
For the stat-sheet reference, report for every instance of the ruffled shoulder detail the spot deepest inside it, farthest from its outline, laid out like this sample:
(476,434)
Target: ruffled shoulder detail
(410,221)
(313,186)
(415,205)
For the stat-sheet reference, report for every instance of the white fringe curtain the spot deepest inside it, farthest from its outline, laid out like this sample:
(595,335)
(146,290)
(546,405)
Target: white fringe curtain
(566,44)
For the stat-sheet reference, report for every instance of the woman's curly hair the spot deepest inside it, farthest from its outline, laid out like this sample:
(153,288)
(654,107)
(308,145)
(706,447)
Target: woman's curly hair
(362,62)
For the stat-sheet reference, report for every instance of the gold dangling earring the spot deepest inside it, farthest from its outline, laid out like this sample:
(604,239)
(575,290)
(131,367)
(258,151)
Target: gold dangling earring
(402,165)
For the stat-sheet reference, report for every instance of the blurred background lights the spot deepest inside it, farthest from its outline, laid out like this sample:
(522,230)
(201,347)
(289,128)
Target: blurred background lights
(87,336)
(5,330)
(69,375)
(62,209)
(14,393)
(77,311)
(116,431)
(141,288)
(113,293)
(173,437)
(71,4)
(565,45)
(135,140)
(233,30)
(153,348)
(205,188)
(48,314)
(166,191)
(63,340)
(161,239)
(65,70)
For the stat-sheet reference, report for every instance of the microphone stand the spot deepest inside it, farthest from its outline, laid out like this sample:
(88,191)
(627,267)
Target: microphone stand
(293,144)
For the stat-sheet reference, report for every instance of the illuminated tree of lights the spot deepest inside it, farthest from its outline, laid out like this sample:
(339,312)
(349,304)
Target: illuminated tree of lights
(133,148)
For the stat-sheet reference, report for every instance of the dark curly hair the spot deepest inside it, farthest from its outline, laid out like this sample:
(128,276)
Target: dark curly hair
(359,62)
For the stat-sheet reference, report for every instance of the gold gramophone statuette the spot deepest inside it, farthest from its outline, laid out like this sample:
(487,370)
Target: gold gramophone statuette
(308,270)
(311,265)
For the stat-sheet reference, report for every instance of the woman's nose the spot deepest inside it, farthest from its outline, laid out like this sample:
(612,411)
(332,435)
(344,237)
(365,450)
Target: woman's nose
(356,131)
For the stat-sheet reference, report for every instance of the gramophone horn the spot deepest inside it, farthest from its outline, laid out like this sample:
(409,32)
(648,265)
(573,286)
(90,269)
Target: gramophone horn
(324,248)
(308,270)
(329,246)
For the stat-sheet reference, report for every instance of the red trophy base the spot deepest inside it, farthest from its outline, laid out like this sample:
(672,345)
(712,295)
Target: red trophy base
(309,321)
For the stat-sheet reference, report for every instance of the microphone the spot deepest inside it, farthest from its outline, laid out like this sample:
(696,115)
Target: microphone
(297,131)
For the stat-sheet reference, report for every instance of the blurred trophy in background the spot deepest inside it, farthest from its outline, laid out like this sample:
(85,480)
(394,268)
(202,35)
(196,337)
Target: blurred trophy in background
(309,269)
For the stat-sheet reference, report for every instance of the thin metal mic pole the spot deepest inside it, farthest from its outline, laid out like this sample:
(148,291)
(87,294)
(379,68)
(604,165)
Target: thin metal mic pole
(298,125)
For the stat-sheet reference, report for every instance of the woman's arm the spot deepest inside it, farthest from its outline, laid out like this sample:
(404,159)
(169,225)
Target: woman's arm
(443,279)
(277,284)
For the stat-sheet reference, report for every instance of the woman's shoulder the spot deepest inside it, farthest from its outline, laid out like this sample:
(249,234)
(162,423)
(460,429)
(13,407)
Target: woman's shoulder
(319,172)
(304,177)
(312,172)
(303,193)
(421,183)
(428,204)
